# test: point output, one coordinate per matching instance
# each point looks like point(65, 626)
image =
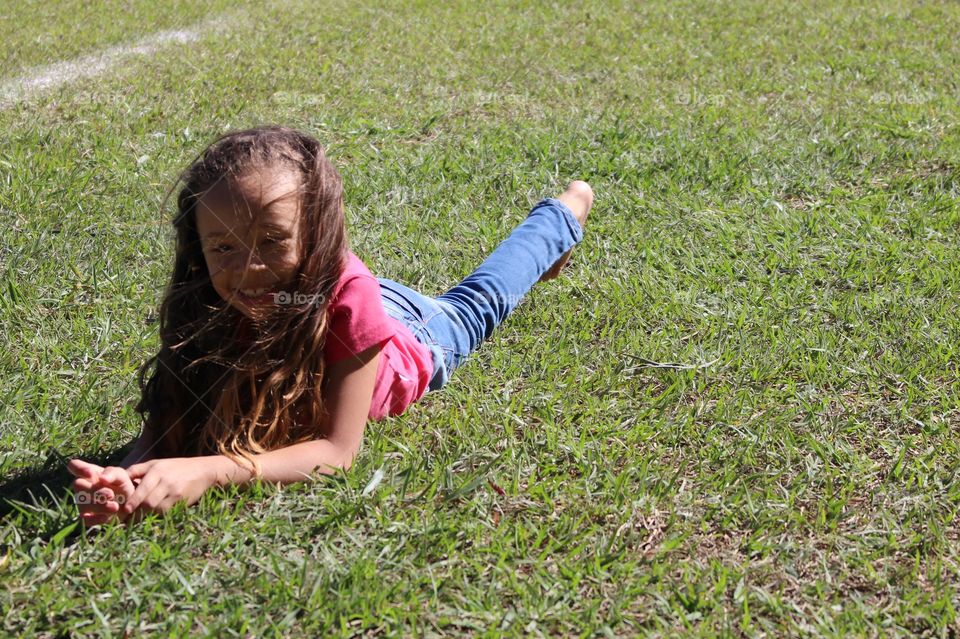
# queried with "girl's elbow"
point(346, 460)
point(336, 457)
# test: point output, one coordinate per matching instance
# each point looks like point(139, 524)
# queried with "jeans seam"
point(427, 320)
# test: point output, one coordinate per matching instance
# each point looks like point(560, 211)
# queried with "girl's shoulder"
point(357, 315)
point(353, 268)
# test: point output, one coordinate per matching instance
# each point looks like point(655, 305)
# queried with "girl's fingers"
point(155, 502)
point(114, 475)
point(140, 470)
point(152, 502)
point(118, 479)
point(89, 497)
point(83, 493)
point(80, 468)
point(110, 507)
point(147, 486)
point(92, 519)
point(98, 502)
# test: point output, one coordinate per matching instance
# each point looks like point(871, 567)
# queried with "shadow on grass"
point(42, 488)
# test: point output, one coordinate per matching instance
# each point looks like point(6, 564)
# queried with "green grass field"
point(736, 413)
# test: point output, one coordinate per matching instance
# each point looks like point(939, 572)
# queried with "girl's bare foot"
point(579, 197)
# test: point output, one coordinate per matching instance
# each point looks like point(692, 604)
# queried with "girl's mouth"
point(256, 297)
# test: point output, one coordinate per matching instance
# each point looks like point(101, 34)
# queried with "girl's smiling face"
point(250, 233)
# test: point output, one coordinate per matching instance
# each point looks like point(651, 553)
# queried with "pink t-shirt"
point(357, 322)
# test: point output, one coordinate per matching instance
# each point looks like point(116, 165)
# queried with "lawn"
point(735, 413)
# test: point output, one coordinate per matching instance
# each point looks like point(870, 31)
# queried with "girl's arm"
point(347, 395)
point(348, 392)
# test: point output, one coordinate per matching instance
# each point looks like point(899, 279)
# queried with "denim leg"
point(482, 301)
point(414, 310)
point(456, 323)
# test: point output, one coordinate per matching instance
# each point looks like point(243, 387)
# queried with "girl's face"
point(250, 235)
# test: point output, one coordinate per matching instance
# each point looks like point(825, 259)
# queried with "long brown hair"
point(209, 390)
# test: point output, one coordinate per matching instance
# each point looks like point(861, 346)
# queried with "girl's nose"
point(245, 260)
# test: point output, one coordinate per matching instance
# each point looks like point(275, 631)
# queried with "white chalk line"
point(44, 78)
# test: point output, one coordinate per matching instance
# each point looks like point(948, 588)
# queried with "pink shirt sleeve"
point(357, 318)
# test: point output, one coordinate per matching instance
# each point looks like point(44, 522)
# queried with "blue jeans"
point(455, 324)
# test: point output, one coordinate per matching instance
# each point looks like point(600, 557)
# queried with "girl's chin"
point(251, 310)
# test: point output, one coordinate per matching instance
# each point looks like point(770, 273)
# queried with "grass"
point(734, 414)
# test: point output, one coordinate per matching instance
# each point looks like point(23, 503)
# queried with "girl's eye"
point(222, 248)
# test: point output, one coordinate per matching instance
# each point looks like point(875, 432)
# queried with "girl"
point(277, 344)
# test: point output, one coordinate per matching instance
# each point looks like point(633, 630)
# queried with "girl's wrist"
point(225, 471)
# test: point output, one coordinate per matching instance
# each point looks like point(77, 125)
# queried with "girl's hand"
point(100, 492)
point(164, 482)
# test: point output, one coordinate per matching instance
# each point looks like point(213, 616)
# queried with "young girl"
point(277, 344)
